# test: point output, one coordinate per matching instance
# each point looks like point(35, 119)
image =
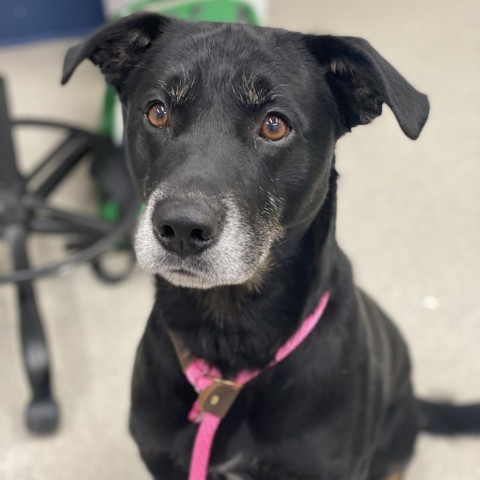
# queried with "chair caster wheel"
point(43, 416)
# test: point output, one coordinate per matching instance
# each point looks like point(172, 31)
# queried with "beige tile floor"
point(409, 218)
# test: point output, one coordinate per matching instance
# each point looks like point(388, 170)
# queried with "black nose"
point(186, 227)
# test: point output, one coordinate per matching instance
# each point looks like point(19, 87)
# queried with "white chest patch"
point(227, 469)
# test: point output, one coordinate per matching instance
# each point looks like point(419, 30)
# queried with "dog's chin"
point(187, 279)
point(202, 273)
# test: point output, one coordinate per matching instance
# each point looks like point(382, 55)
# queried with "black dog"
point(230, 133)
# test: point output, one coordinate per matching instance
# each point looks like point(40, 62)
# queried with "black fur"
point(341, 407)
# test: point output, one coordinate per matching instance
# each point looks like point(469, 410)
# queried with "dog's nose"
point(186, 228)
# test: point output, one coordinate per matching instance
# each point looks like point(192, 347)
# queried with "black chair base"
point(43, 416)
point(24, 209)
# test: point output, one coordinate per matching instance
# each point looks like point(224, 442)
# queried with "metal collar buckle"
point(219, 397)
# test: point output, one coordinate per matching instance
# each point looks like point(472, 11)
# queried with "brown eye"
point(274, 128)
point(158, 116)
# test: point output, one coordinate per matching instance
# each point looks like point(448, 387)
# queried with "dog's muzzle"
point(195, 241)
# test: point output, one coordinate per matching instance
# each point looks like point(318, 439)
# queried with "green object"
point(228, 11)
point(108, 111)
point(109, 211)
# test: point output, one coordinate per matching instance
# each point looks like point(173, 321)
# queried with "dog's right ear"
point(361, 80)
point(117, 47)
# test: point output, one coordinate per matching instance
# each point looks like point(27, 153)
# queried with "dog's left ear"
point(117, 47)
point(362, 80)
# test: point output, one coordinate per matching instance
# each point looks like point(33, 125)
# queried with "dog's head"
point(230, 132)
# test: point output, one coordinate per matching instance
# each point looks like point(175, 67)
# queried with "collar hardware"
point(219, 397)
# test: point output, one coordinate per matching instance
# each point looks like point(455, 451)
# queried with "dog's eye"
point(274, 128)
point(158, 115)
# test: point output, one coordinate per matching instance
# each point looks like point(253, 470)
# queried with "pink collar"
point(216, 395)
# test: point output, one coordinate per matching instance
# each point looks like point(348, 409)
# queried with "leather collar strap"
point(216, 395)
